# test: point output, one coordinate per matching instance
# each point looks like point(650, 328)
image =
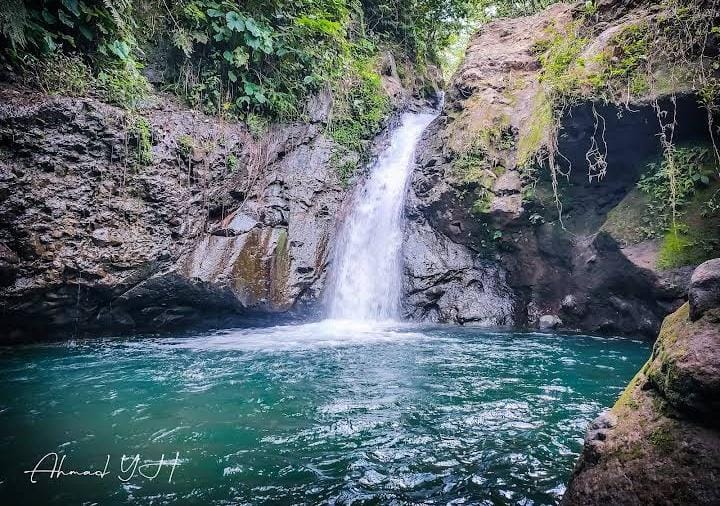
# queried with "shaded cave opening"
point(630, 139)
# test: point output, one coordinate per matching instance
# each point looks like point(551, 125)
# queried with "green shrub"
point(62, 74)
point(122, 84)
point(691, 168)
point(142, 135)
point(360, 106)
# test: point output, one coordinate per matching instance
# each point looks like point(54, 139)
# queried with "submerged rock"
point(549, 321)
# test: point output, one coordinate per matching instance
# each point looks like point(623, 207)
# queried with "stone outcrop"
point(116, 222)
point(704, 292)
point(660, 443)
point(480, 202)
point(217, 222)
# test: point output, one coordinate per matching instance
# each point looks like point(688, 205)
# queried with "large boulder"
point(663, 446)
point(704, 291)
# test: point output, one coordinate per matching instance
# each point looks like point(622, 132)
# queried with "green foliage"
point(232, 163)
point(142, 135)
point(421, 27)
point(345, 170)
point(690, 170)
point(475, 165)
point(622, 64)
point(86, 26)
point(248, 59)
point(58, 73)
point(50, 36)
point(360, 106)
point(122, 84)
point(479, 169)
point(560, 60)
point(257, 124)
point(692, 235)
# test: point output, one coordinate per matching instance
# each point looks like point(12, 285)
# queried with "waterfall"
point(366, 277)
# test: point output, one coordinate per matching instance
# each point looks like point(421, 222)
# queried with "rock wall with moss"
point(660, 443)
point(161, 216)
point(573, 181)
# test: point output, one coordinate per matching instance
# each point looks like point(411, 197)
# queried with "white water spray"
point(366, 274)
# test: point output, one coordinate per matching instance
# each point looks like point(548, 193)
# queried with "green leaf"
point(85, 31)
point(214, 13)
point(240, 57)
point(262, 43)
point(49, 43)
point(232, 76)
point(72, 6)
point(253, 28)
point(250, 88)
point(704, 179)
point(235, 22)
point(65, 20)
point(200, 37)
point(252, 41)
point(121, 49)
point(49, 18)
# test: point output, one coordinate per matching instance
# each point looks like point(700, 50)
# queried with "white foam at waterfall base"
point(366, 273)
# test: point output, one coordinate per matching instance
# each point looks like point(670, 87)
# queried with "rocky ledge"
point(660, 443)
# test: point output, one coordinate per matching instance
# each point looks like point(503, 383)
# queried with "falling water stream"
point(366, 277)
point(356, 409)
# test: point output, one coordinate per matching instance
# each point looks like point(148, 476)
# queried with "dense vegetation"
point(232, 58)
point(253, 61)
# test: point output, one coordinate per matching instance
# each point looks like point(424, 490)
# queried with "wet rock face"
point(219, 223)
point(447, 282)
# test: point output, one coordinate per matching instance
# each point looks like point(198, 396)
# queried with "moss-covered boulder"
point(660, 443)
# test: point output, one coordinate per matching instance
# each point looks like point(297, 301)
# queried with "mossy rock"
point(696, 236)
point(626, 222)
point(685, 364)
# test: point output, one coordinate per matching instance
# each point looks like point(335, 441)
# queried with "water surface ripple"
point(309, 414)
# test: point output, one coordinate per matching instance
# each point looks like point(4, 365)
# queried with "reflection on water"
point(333, 412)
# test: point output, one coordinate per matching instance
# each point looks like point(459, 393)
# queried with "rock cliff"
point(488, 243)
point(212, 222)
point(123, 222)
